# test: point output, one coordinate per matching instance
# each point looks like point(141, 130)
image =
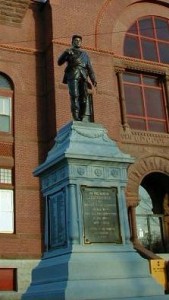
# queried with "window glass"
point(131, 47)
point(162, 29)
point(6, 211)
point(133, 98)
point(152, 81)
point(131, 77)
point(6, 176)
point(146, 27)
point(5, 105)
point(154, 103)
point(4, 82)
point(139, 124)
point(149, 50)
point(157, 126)
point(133, 29)
point(5, 114)
point(164, 52)
point(4, 123)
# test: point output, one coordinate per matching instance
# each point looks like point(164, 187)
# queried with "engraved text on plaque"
point(100, 212)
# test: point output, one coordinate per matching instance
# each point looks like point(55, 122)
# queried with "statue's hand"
point(69, 51)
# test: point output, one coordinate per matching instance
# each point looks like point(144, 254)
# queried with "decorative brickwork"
point(13, 11)
point(144, 138)
point(140, 169)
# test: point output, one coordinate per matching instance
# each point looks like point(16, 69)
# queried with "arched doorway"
point(152, 212)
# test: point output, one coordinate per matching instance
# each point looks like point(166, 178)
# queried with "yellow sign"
point(158, 271)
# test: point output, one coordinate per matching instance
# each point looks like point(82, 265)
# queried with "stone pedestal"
point(88, 250)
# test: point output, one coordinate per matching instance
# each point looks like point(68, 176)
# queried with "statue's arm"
point(63, 58)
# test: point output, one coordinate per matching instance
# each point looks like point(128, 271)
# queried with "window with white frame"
point(6, 201)
point(6, 94)
point(5, 114)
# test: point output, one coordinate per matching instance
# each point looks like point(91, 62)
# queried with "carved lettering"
point(101, 219)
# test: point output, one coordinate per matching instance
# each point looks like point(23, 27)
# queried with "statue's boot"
point(75, 115)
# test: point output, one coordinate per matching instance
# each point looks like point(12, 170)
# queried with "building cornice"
point(18, 49)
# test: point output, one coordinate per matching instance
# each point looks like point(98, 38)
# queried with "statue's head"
point(76, 41)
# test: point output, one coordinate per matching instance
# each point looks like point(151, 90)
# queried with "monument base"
point(88, 255)
point(94, 276)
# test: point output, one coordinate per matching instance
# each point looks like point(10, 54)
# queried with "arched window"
point(148, 38)
point(6, 173)
point(6, 93)
point(144, 93)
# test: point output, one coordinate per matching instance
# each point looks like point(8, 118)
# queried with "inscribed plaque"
point(101, 217)
point(57, 220)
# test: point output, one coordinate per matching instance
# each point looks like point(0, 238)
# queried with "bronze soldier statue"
point(76, 75)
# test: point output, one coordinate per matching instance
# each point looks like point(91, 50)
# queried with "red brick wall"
point(24, 64)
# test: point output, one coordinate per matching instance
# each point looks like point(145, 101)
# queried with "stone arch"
point(139, 170)
point(98, 20)
point(113, 21)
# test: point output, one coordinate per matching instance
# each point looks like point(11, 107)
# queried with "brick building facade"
point(127, 42)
